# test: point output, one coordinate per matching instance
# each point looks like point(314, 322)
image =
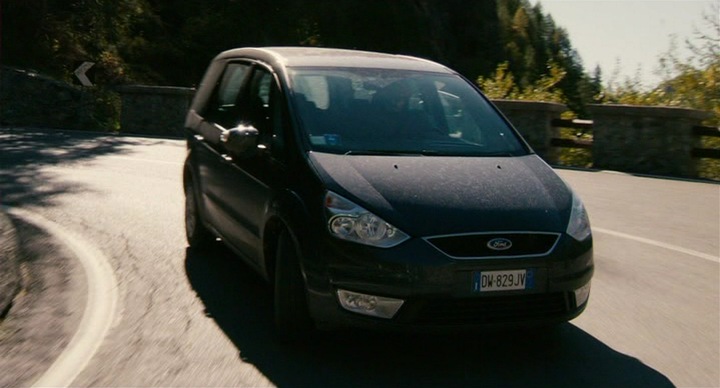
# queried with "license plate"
point(509, 280)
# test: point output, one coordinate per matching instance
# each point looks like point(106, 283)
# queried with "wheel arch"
point(288, 214)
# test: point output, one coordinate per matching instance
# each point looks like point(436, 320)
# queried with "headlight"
point(579, 225)
point(351, 222)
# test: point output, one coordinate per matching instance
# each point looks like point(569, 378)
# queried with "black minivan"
point(379, 191)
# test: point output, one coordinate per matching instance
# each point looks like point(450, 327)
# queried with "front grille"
point(479, 245)
point(488, 310)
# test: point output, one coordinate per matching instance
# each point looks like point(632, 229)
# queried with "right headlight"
point(351, 222)
point(579, 224)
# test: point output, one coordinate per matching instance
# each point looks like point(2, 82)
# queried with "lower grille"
point(489, 310)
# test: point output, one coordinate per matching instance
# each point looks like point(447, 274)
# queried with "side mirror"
point(240, 141)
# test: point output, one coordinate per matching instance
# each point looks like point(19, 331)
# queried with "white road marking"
point(144, 160)
point(100, 310)
point(660, 244)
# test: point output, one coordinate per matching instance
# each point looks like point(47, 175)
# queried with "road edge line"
point(660, 244)
point(100, 310)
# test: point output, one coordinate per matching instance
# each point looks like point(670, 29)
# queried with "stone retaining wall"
point(645, 139)
point(29, 99)
point(154, 110)
point(651, 140)
point(641, 139)
point(533, 119)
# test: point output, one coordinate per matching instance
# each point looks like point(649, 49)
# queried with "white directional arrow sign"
point(80, 73)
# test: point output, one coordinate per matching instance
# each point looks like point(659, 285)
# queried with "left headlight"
point(351, 222)
point(579, 224)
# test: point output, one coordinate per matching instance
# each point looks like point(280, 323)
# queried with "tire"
point(292, 316)
point(195, 231)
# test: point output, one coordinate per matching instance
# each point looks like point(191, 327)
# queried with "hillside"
point(165, 42)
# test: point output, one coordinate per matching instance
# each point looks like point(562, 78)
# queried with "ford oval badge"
point(499, 244)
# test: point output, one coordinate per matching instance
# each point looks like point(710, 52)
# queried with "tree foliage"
point(168, 42)
point(53, 35)
point(692, 82)
point(502, 85)
point(537, 51)
point(171, 42)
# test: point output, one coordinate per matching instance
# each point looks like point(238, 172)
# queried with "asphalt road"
point(154, 313)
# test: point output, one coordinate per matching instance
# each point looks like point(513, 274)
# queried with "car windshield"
point(395, 112)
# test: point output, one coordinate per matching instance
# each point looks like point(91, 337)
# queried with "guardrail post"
point(154, 110)
point(645, 139)
point(534, 121)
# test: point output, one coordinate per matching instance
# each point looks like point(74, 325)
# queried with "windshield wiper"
point(387, 152)
point(501, 153)
point(428, 153)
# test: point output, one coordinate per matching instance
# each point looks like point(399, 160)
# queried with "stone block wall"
point(31, 100)
point(154, 110)
point(644, 139)
point(533, 120)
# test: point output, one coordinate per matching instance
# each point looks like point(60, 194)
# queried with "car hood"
point(437, 195)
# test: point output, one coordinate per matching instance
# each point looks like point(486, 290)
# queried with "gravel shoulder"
point(47, 309)
point(10, 280)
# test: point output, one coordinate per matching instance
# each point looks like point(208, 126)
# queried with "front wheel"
point(195, 231)
point(292, 317)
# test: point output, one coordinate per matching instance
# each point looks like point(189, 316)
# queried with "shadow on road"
point(24, 153)
point(241, 304)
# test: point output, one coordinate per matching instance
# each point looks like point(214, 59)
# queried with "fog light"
point(582, 294)
point(376, 306)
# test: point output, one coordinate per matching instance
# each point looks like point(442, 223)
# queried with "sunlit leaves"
point(692, 81)
point(502, 85)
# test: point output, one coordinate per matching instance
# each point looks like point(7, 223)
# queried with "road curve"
point(203, 319)
point(100, 310)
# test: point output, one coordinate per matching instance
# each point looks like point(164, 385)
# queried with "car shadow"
point(240, 302)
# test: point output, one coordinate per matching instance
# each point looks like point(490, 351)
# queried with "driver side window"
point(225, 103)
point(263, 109)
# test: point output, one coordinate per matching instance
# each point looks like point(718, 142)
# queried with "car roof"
point(330, 57)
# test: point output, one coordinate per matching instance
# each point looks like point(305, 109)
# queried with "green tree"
point(692, 82)
point(502, 85)
point(53, 35)
point(531, 40)
point(170, 42)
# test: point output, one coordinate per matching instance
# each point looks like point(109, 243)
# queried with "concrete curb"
point(10, 281)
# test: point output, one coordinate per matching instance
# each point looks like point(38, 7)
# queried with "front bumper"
point(437, 291)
